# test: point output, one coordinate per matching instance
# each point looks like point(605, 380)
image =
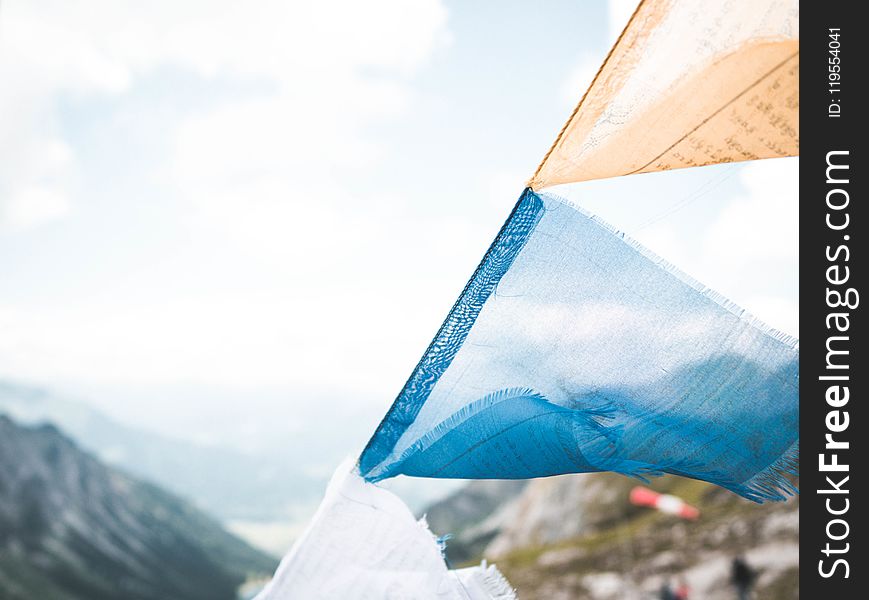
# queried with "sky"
point(256, 211)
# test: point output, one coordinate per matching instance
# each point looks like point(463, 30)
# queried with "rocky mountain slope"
point(73, 529)
point(266, 497)
point(578, 537)
point(472, 516)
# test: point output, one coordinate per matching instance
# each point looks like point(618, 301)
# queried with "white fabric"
point(364, 543)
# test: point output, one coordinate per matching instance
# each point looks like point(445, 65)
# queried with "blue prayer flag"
point(574, 349)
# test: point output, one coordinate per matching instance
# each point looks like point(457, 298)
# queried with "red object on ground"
point(672, 505)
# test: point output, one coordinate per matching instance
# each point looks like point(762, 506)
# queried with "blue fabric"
point(573, 349)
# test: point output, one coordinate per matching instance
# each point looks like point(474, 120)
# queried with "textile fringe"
point(496, 584)
point(773, 483)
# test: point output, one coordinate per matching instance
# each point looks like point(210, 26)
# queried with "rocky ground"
point(578, 537)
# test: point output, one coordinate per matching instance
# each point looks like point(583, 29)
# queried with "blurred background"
point(229, 230)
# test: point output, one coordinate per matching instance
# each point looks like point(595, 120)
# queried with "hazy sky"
point(244, 208)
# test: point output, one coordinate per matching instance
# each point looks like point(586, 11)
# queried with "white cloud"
point(629, 328)
point(263, 168)
point(33, 181)
point(734, 228)
point(267, 169)
point(500, 188)
point(750, 226)
point(779, 312)
point(579, 79)
point(752, 241)
point(618, 12)
point(38, 60)
point(33, 205)
point(296, 337)
point(327, 70)
point(272, 38)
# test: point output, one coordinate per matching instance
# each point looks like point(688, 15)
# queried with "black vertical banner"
point(833, 368)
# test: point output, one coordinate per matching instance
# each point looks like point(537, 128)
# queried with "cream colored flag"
point(688, 83)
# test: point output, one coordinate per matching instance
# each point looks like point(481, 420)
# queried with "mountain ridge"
point(218, 479)
point(72, 528)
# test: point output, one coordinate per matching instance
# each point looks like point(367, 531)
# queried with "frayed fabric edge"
point(487, 581)
point(773, 483)
point(454, 330)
